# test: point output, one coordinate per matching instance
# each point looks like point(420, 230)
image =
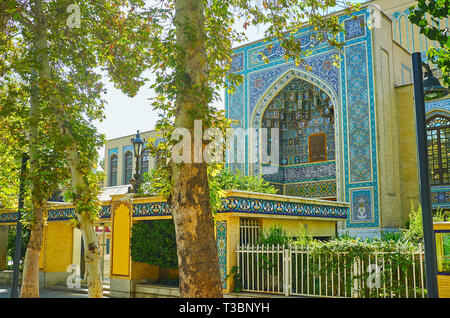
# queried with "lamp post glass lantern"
point(431, 86)
point(138, 146)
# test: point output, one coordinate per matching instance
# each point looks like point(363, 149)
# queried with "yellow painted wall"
point(58, 246)
point(144, 271)
point(408, 150)
point(232, 243)
point(120, 263)
point(387, 125)
point(294, 227)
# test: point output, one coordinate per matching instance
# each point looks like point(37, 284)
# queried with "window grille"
point(113, 170)
point(438, 137)
point(144, 162)
point(249, 230)
point(128, 167)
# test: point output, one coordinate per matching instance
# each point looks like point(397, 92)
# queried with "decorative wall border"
point(221, 228)
point(260, 206)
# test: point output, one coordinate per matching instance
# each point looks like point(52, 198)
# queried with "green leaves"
point(429, 17)
point(154, 243)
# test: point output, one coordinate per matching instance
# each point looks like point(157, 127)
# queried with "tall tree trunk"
point(30, 278)
point(92, 254)
point(194, 226)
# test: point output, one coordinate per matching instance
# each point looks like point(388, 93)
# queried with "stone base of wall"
point(121, 288)
point(367, 233)
point(156, 291)
point(45, 279)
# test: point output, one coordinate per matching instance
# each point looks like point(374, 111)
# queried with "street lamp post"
point(426, 89)
point(18, 247)
point(138, 146)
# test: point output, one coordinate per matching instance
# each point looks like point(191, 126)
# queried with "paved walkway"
point(44, 293)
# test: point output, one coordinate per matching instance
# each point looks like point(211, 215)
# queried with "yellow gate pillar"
point(120, 271)
point(3, 245)
point(227, 236)
point(124, 273)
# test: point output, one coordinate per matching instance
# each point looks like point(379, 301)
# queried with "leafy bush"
point(12, 244)
point(396, 263)
point(274, 236)
point(154, 243)
point(414, 231)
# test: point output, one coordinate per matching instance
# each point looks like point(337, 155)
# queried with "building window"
point(144, 162)
point(113, 170)
point(438, 134)
point(128, 166)
point(317, 145)
point(249, 230)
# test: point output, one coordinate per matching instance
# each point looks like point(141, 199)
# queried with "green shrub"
point(154, 243)
point(12, 244)
point(274, 236)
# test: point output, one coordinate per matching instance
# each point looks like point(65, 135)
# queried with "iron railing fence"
point(294, 270)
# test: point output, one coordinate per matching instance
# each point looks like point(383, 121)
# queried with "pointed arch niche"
point(304, 109)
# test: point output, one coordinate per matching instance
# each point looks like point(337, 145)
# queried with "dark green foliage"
point(12, 243)
point(237, 278)
point(427, 15)
point(154, 243)
point(274, 236)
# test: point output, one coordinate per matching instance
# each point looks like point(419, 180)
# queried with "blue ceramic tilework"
point(321, 67)
point(354, 27)
point(358, 113)
point(260, 206)
point(221, 228)
point(440, 197)
point(440, 106)
point(8, 217)
point(237, 111)
point(237, 62)
point(105, 212)
point(111, 151)
point(361, 205)
point(351, 90)
point(151, 209)
point(323, 189)
point(273, 51)
point(61, 214)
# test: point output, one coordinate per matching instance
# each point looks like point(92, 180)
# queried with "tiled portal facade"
point(338, 124)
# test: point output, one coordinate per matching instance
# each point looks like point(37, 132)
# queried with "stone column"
point(3, 245)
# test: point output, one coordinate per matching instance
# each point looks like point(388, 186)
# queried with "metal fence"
point(297, 271)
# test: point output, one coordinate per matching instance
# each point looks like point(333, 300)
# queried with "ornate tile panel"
point(237, 62)
point(354, 27)
point(440, 197)
point(361, 205)
point(274, 51)
point(151, 209)
point(105, 212)
point(438, 107)
point(358, 112)
point(323, 189)
point(221, 227)
point(61, 214)
point(8, 217)
point(260, 206)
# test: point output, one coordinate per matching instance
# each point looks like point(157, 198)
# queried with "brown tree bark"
point(30, 278)
point(92, 257)
point(196, 246)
